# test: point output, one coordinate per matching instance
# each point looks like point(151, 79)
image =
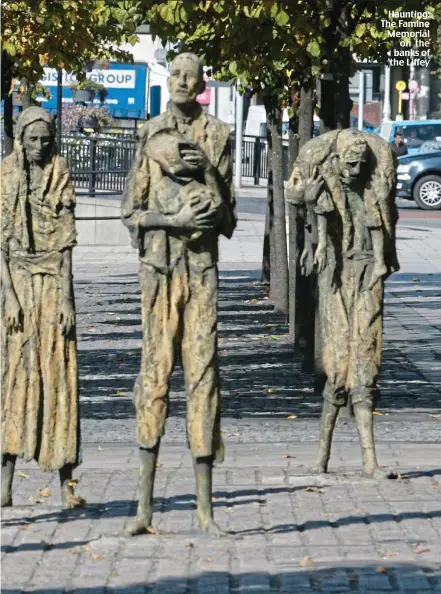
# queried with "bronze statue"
point(347, 178)
point(39, 404)
point(177, 201)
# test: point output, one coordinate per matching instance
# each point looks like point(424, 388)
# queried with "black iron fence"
point(100, 164)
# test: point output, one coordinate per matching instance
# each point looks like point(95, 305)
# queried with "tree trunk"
point(268, 257)
point(8, 124)
point(293, 149)
point(327, 105)
point(343, 102)
point(279, 272)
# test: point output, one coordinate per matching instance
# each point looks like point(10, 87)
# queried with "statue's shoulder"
point(317, 149)
point(9, 163)
point(221, 128)
point(152, 126)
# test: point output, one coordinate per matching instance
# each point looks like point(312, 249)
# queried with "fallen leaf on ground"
point(100, 449)
point(24, 526)
point(158, 465)
point(190, 545)
point(420, 550)
point(435, 485)
point(152, 530)
point(91, 329)
point(34, 501)
point(390, 554)
point(120, 393)
point(115, 574)
point(381, 569)
point(207, 559)
point(378, 413)
point(45, 492)
point(21, 474)
point(288, 456)
point(306, 562)
point(292, 417)
point(313, 490)
point(229, 510)
point(270, 391)
point(73, 482)
point(275, 337)
point(436, 416)
point(86, 547)
point(96, 556)
point(234, 434)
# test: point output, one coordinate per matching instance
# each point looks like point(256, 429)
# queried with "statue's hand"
point(320, 258)
point(13, 311)
point(67, 315)
point(314, 186)
point(306, 262)
point(195, 157)
point(379, 270)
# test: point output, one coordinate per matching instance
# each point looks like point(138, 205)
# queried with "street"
point(290, 531)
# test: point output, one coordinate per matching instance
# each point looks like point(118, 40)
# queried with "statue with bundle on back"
point(347, 179)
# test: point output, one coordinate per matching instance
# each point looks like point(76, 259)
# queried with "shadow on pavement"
point(261, 375)
point(348, 577)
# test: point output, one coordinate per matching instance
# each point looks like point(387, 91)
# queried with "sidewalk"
point(290, 532)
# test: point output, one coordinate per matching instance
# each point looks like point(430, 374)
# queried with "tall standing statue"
point(177, 201)
point(347, 178)
point(39, 407)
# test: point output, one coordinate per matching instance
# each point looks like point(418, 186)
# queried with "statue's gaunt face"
point(351, 164)
point(37, 142)
point(185, 82)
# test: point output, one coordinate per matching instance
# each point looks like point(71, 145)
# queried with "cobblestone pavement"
point(290, 532)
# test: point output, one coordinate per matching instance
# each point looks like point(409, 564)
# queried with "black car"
point(419, 179)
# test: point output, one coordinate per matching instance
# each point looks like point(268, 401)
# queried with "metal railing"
point(100, 164)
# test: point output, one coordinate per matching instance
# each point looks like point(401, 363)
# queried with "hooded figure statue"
point(39, 407)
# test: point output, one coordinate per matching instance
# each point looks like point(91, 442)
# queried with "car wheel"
point(427, 192)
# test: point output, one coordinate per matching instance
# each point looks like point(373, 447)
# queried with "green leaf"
point(282, 18)
point(233, 67)
point(313, 48)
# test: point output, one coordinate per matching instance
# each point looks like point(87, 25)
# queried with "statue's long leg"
point(68, 496)
point(365, 425)
point(327, 424)
point(8, 467)
point(203, 468)
point(148, 459)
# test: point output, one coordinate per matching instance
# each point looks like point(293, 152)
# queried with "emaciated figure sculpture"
point(39, 358)
point(177, 201)
point(348, 178)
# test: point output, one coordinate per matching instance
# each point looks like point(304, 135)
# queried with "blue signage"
point(125, 84)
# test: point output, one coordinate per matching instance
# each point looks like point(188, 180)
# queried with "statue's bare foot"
point(6, 500)
point(209, 527)
point(140, 527)
point(378, 473)
point(71, 500)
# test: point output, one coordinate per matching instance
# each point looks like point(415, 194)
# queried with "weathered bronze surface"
point(346, 179)
point(177, 201)
point(39, 356)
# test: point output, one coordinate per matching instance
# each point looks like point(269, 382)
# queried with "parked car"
point(430, 146)
point(419, 179)
point(415, 132)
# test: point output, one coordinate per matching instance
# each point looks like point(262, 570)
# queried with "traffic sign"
point(401, 85)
